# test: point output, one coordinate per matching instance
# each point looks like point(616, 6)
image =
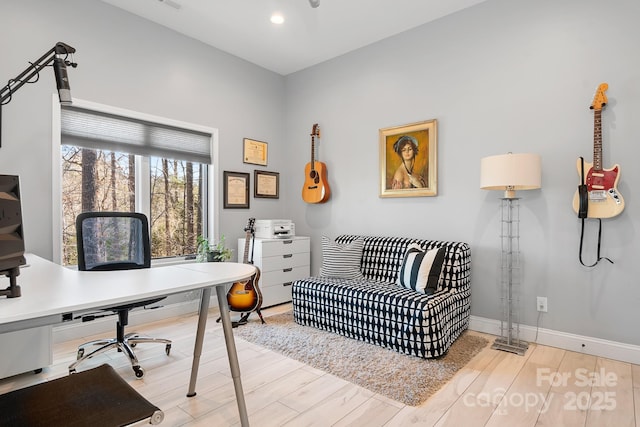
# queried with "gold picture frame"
point(236, 190)
point(255, 152)
point(408, 160)
point(266, 184)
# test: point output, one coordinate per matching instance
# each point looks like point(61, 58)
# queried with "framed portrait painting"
point(408, 160)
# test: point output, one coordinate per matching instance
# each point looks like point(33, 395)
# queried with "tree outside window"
point(103, 180)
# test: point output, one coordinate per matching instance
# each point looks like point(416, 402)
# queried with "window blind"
point(104, 131)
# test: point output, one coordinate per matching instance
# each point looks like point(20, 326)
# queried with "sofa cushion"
point(420, 269)
point(341, 260)
point(383, 256)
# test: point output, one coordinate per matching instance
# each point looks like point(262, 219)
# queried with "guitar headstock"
point(250, 226)
point(315, 131)
point(600, 99)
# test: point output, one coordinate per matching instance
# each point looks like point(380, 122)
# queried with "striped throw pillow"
point(420, 269)
point(341, 261)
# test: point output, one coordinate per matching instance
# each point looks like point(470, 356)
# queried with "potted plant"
point(212, 252)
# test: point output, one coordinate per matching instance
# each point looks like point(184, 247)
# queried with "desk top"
point(50, 290)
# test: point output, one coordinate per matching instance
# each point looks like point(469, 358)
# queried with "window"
point(121, 163)
point(176, 207)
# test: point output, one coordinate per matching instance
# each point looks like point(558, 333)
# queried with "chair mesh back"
point(112, 241)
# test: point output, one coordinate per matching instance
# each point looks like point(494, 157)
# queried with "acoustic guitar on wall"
point(316, 187)
point(245, 296)
point(597, 195)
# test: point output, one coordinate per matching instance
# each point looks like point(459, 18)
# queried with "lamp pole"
point(510, 338)
point(510, 172)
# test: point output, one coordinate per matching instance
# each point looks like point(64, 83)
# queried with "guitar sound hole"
point(314, 176)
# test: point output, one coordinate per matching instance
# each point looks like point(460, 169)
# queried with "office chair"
point(110, 241)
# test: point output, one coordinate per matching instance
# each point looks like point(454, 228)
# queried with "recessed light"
point(277, 18)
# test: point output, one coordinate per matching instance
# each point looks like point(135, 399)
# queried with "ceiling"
point(307, 37)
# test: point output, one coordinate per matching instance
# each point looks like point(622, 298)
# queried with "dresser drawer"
point(285, 246)
point(276, 295)
point(286, 275)
point(280, 262)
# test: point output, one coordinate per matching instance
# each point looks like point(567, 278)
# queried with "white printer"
point(274, 228)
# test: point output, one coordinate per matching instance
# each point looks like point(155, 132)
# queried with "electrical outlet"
point(542, 304)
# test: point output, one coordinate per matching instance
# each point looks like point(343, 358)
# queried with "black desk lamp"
point(12, 243)
point(58, 55)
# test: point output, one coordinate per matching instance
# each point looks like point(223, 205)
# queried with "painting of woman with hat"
point(408, 174)
point(408, 154)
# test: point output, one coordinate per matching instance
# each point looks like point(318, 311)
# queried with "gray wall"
point(505, 75)
point(128, 62)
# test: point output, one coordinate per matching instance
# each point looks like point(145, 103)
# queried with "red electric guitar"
point(246, 296)
point(316, 186)
point(597, 195)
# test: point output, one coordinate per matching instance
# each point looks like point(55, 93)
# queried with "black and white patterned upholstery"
point(379, 311)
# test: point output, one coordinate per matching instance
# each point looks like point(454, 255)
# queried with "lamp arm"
point(17, 82)
point(7, 91)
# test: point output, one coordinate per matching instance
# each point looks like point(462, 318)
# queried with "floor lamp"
point(510, 172)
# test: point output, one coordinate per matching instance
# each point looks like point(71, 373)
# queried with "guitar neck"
point(313, 154)
point(597, 140)
point(247, 241)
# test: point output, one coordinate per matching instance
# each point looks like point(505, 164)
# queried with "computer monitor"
point(11, 237)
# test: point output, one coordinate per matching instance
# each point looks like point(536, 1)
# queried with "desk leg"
point(197, 351)
point(232, 353)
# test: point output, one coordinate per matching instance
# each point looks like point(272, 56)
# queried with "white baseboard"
point(578, 343)
point(70, 331)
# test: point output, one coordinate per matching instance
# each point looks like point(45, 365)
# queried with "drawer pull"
point(287, 242)
point(286, 270)
point(287, 284)
point(287, 256)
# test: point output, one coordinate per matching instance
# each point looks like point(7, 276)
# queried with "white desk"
point(51, 294)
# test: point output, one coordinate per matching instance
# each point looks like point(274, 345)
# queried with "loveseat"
point(369, 305)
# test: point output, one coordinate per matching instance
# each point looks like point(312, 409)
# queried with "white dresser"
point(281, 262)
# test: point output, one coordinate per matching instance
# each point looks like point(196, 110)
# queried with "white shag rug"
point(407, 379)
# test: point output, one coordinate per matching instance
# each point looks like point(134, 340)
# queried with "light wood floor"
point(545, 387)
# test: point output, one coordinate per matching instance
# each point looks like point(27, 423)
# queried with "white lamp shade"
point(510, 172)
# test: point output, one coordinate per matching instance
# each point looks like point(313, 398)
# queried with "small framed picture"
point(255, 152)
point(266, 184)
point(236, 190)
point(408, 160)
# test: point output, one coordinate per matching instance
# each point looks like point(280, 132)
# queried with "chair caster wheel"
point(156, 418)
point(72, 371)
point(167, 349)
point(138, 371)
